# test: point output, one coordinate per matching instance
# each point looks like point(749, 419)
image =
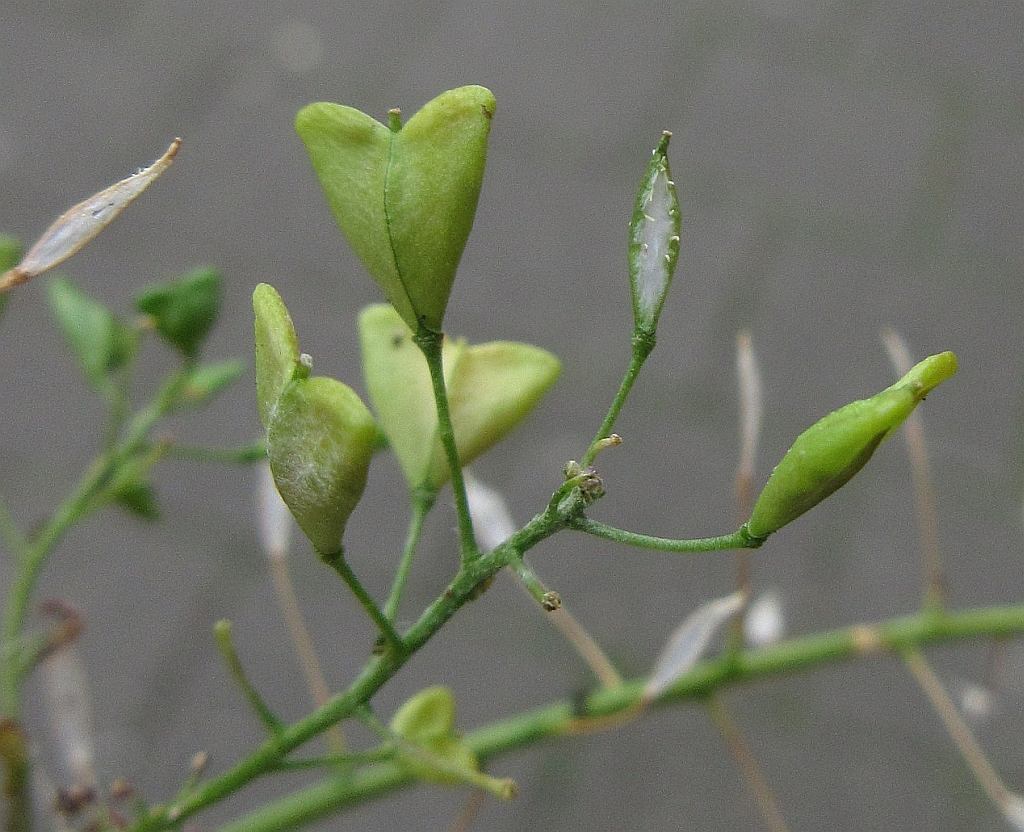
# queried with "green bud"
point(185, 309)
point(405, 197)
point(101, 341)
point(827, 455)
point(654, 239)
point(427, 720)
point(277, 349)
point(320, 442)
point(491, 389)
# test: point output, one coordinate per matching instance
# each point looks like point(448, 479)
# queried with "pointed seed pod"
point(654, 239)
point(404, 197)
point(828, 454)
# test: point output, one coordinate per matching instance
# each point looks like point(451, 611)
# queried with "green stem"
point(338, 563)
point(559, 719)
point(78, 505)
point(246, 455)
point(429, 343)
point(548, 600)
point(643, 345)
point(226, 645)
point(737, 540)
point(464, 588)
point(422, 502)
point(17, 796)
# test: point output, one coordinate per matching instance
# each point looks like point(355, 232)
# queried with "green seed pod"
point(277, 349)
point(427, 719)
point(320, 441)
point(827, 455)
point(654, 239)
point(491, 388)
point(405, 197)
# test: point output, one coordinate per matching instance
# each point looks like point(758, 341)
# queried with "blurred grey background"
point(842, 166)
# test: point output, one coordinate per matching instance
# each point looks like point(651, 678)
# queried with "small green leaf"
point(829, 453)
point(207, 380)
point(404, 197)
point(320, 442)
point(101, 342)
point(277, 349)
point(138, 498)
point(491, 389)
point(185, 310)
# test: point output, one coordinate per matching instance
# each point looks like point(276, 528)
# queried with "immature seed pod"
point(827, 455)
point(405, 197)
point(320, 442)
point(491, 388)
point(427, 720)
point(277, 349)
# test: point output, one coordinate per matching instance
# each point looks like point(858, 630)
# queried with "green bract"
point(491, 388)
point(827, 455)
point(320, 441)
point(404, 197)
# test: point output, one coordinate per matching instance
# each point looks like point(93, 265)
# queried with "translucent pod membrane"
point(81, 223)
point(654, 239)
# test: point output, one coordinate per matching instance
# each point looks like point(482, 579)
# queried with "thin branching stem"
point(960, 733)
point(338, 563)
point(81, 502)
point(737, 540)
point(9, 531)
point(643, 345)
point(302, 641)
point(429, 343)
point(226, 646)
point(422, 500)
point(747, 763)
point(562, 718)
